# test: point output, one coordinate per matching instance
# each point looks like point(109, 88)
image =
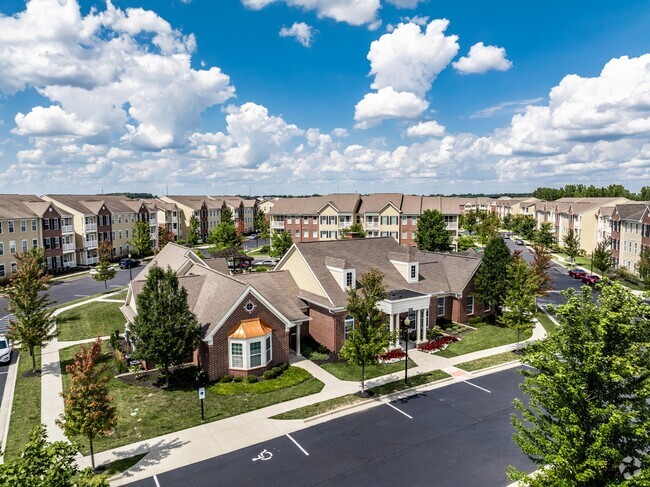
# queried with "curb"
point(5, 410)
point(491, 367)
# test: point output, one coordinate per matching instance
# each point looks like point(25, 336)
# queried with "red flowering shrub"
point(437, 344)
point(392, 356)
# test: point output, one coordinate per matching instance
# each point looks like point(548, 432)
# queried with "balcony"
point(91, 260)
point(90, 227)
point(90, 244)
point(345, 224)
point(372, 225)
point(277, 224)
point(452, 226)
point(153, 222)
point(68, 247)
point(67, 228)
point(70, 264)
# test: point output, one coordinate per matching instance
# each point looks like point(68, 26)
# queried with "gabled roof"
point(311, 205)
point(25, 206)
point(374, 203)
point(193, 202)
point(251, 328)
point(439, 273)
point(632, 211)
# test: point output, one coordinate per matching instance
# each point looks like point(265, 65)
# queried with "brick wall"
point(215, 359)
point(326, 328)
point(459, 306)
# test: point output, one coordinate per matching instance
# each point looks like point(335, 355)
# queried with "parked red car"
point(591, 279)
point(577, 273)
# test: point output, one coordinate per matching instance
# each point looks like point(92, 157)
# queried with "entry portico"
point(415, 304)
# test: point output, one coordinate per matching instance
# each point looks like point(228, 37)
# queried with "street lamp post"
point(407, 323)
point(130, 271)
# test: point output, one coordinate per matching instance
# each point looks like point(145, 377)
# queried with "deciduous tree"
point(164, 331)
point(44, 464)
point(601, 258)
point(488, 226)
point(105, 272)
point(432, 234)
point(643, 267)
point(224, 236)
point(280, 244)
point(466, 242)
point(32, 324)
point(541, 264)
point(89, 409)
point(586, 419)
point(164, 237)
point(491, 281)
point(519, 305)
point(226, 214)
point(572, 245)
point(262, 224)
point(370, 336)
point(141, 237)
point(193, 231)
point(355, 228)
point(544, 235)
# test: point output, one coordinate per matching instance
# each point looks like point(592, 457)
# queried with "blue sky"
point(208, 97)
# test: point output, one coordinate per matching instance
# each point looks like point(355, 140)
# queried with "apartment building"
point(380, 214)
point(26, 222)
point(265, 205)
point(505, 205)
point(243, 212)
point(98, 218)
point(630, 233)
point(316, 218)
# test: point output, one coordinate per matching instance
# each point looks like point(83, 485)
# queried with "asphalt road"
point(3, 372)
point(458, 435)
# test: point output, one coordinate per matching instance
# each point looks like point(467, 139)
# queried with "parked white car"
point(6, 347)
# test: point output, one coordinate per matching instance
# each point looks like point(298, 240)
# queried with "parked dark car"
point(129, 263)
point(577, 273)
point(591, 279)
point(519, 241)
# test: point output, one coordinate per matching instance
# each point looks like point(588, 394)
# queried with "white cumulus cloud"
point(53, 121)
point(482, 58)
point(426, 129)
point(301, 31)
point(405, 3)
point(353, 12)
point(387, 103)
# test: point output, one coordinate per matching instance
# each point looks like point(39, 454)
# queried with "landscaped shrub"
point(265, 249)
point(277, 371)
point(319, 356)
point(392, 356)
point(225, 379)
point(252, 379)
point(114, 342)
point(438, 344)
point(284, 366)
point(323, 349)
point(238, 379)
point(268, 375)
point(119, 361)
point(477, 321)
point(443, 322)
point(306, 350)
point(433, 333)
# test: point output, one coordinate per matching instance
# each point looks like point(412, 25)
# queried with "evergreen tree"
point(643, 267)
point(572, 245)
point(527, 227)
point(432, 234)
point(226, 214)
point(224, 236)
point(193, 231)
point(588, 386)
point(33, 323)
point(519, 305)
point(262, 224)
point(602, 258)
point(141, 238)
point(105, 272)
point(44, 464)
point(544, 235)
point(88, 407)
point(491, 281)
point(507, 222)
point(280, 244)
point(541, 264)
point(165, 331)
point(164, 237)
point(370, 336)
point(355, 228)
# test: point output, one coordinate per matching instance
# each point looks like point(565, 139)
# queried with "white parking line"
point(2, 373)
point(399, 410)
point(478, 387)
point(81, 295)
point(297, 444)
point(155, 479)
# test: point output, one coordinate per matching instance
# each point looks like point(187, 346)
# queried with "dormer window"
point(414, 271)
point(349, 279)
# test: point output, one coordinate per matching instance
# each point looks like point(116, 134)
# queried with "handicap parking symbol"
point(264, 455)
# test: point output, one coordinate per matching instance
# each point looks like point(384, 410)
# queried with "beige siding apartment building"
point(26, 222)
point(630, 233)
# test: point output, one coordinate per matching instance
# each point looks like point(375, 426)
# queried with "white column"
point(417, 325)
point(298, 340)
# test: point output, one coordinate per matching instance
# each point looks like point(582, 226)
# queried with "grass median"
point(90, 321)
point(345, 371)
point(485, 362)
point(147, 412)
point(487, 336)
point(26, 408)
point(546, 322)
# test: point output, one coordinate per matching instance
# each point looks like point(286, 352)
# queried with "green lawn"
point(546, 322)
point(581, 261)
point(90, 321)
point(291, 377)
point(345, 371)
point(483, 363)
point(26, 409)
point(121, 295)
point(149, 412)
point(488, 336)
point(339, 402)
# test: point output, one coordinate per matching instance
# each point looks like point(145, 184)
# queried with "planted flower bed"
point(392, 356)
point(438, 344)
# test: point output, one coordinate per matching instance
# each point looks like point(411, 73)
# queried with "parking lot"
point(459, 435)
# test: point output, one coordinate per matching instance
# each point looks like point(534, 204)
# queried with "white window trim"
point(438, 313)
point(246, 343)
point(349, 320)
point(469, 312)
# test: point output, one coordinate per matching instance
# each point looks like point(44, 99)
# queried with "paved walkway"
point(181, 448)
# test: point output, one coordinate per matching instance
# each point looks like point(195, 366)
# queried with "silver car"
point(6, 348)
